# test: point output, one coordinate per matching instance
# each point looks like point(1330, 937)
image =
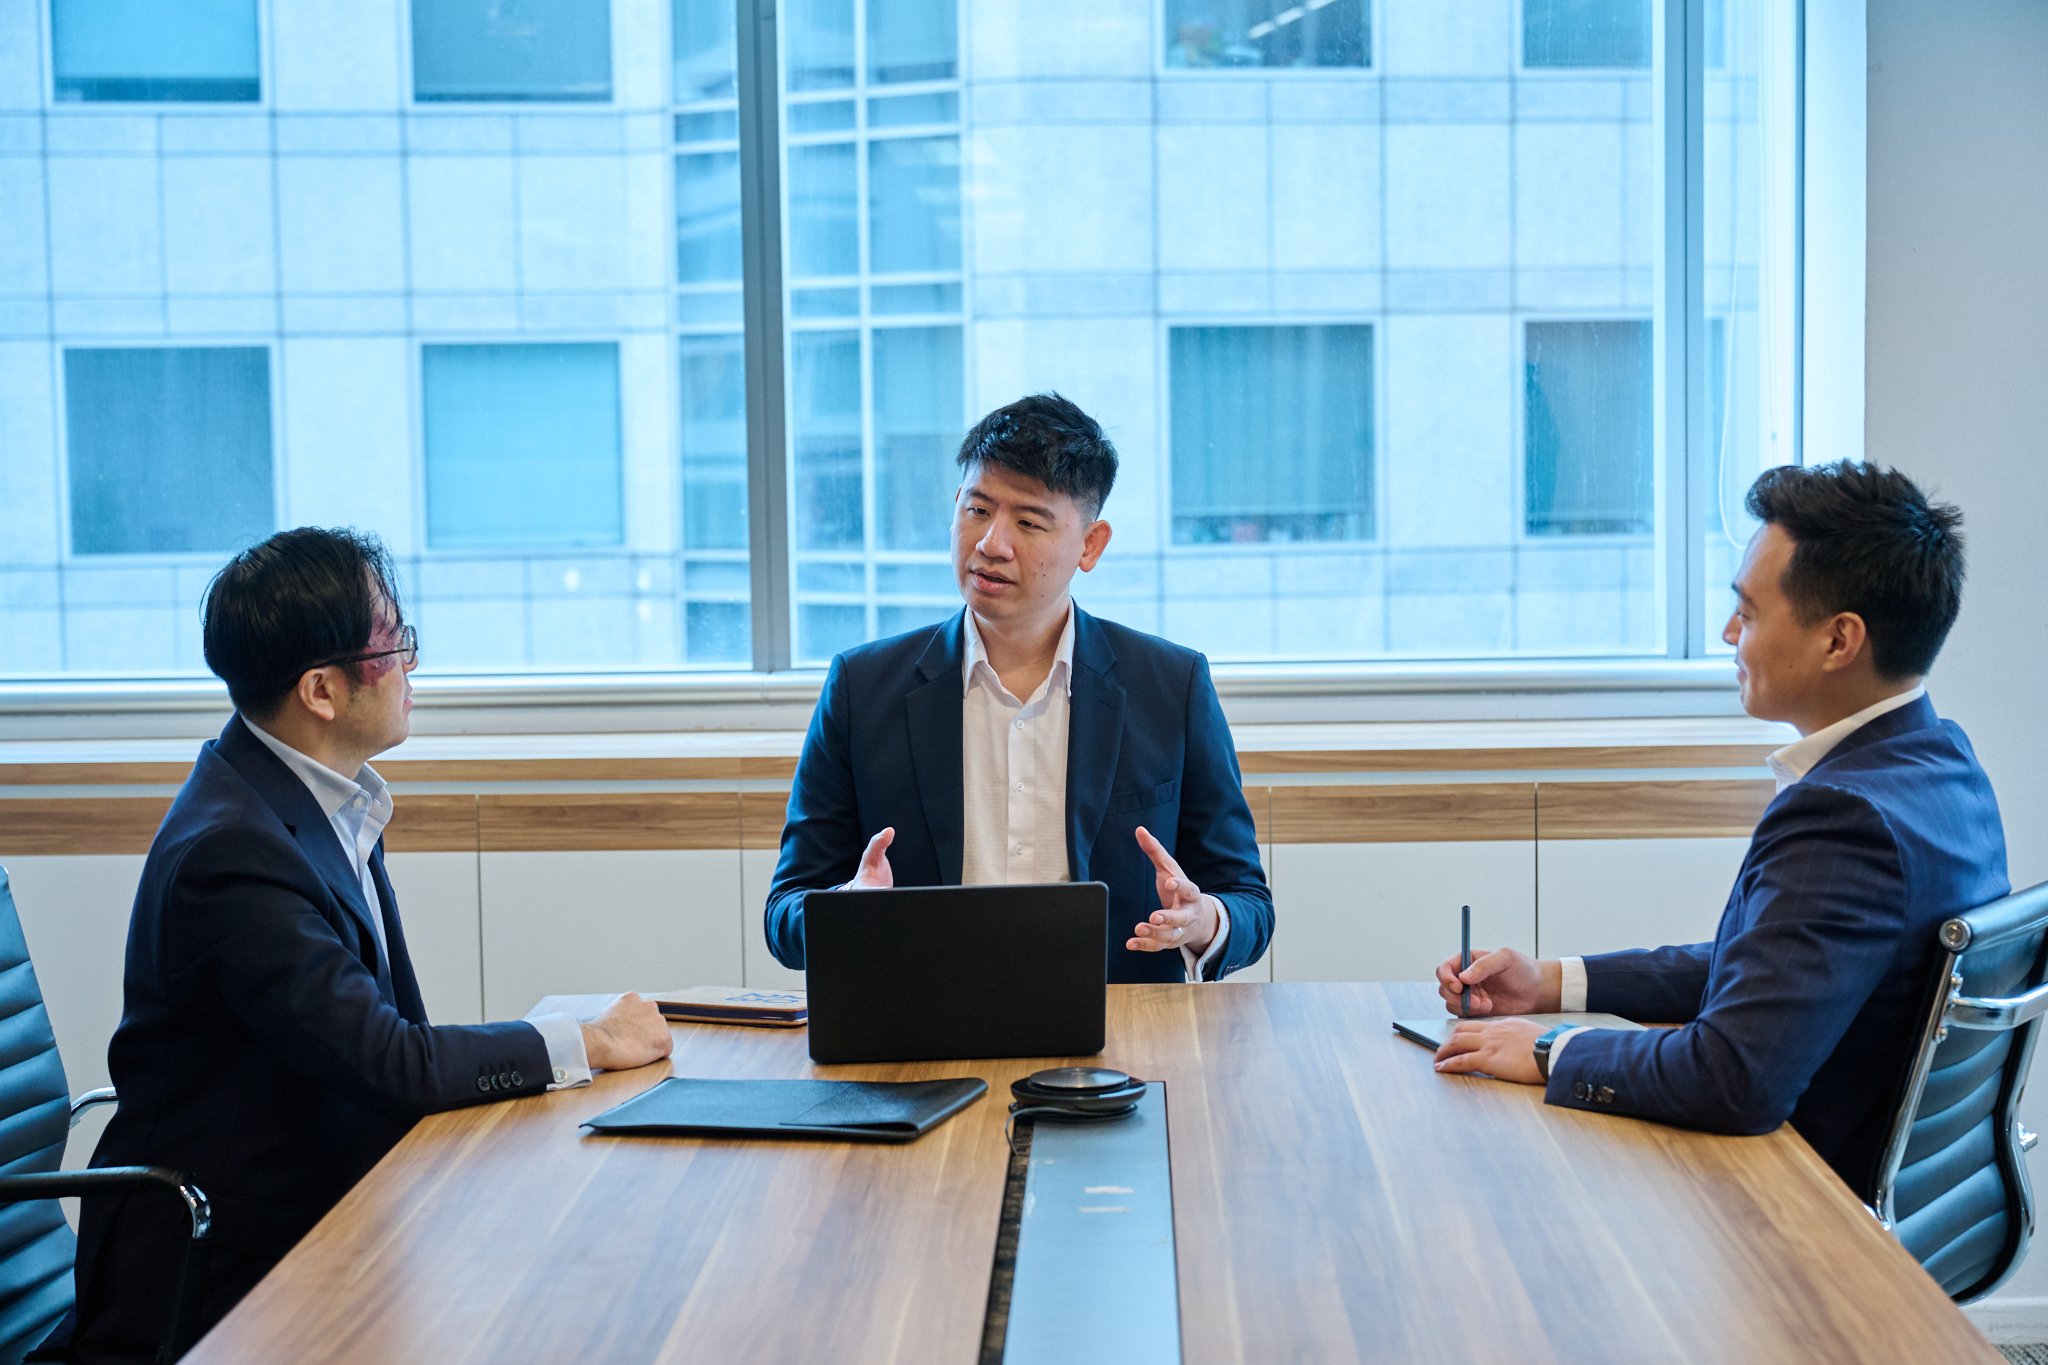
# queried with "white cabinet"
point(574, 922)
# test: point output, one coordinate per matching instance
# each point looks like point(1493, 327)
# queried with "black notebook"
point(872, 1111)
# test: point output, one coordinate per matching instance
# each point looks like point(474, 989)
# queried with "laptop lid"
point(928, 973)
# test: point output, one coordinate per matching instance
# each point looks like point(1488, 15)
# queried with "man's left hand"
point(1184, 919)
point(1502, 1048)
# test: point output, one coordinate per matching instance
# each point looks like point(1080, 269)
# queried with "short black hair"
point(294, 602)
point(1047, 438)
point(1867, 540)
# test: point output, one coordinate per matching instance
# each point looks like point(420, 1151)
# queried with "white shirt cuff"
point(567, 1060)
point(1557, 1044)
point(1571, 991)
point(1196, 965)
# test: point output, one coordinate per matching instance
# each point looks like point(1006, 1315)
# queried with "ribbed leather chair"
point(1952, 1184)
point(36, 1112)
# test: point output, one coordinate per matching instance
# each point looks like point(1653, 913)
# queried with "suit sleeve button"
point(1582, 1091)
point(1605, 1094)
point(518, 1080)
point(483, 1083)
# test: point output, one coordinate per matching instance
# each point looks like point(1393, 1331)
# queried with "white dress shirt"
point(1788, 765)
point(1014, 779)
point(358, 811)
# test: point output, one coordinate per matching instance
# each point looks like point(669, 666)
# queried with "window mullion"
point(1681, 321)
point(765, 345)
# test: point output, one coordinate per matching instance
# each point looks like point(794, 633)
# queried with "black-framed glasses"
point(408, 651)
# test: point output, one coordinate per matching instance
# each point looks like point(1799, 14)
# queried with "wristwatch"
point(1542, 1046)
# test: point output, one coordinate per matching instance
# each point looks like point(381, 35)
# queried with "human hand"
point(630, 1032)
point(1504, 1049)
point(1184, 918)
point(874, 872)
point(1503, 982)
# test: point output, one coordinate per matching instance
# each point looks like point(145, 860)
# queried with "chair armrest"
point(1993, 1012)
point(109, 1180)
point(91, 1099)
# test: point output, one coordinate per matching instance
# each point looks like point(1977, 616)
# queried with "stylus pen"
point(1465, 953)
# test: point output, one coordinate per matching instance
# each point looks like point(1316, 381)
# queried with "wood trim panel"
point(95, 774)
point(1503, 760)
point(761, 815)
point(432, 824)
point(80, 826)
point(639, 820)
point(1442, 812)
point(1651, 810)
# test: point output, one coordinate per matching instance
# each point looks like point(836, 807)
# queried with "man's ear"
point(1093, 542)
point(1848, 641)
point(319, 692)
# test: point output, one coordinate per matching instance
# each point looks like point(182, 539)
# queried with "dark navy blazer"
point(263, 1047)
point(1146, 745)
point(1807, 1002)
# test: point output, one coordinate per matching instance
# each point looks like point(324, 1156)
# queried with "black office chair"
point(36, 1112)
point(1952, 1183)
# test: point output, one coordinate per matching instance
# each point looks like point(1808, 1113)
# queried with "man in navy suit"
point(1024, 740)
point(272, 1041)
point(1807, 1001)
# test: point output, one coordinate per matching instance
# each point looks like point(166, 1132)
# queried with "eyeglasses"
point(408, 649)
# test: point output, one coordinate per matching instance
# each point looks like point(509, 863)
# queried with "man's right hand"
point(874, 873)
point(1503, 982)
point(631, 1032)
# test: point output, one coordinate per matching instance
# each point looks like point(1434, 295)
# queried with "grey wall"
point(1957, 387)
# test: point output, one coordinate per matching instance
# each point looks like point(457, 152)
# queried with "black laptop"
point(934, 972)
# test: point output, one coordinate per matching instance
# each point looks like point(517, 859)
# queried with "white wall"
point(1957, 391)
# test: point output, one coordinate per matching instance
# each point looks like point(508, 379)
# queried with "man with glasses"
point(273, 1042)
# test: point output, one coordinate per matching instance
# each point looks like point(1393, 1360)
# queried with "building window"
point(511, 50)
point(169, 449)
point(1268, 33)
point(1577, 33)
point(522, 446)
point(1272, 433)
point(171, 50)
point(1587, 452)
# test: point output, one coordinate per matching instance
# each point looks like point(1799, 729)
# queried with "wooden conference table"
point(1334, 1199)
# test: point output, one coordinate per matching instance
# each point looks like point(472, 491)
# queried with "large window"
point(1425, 331)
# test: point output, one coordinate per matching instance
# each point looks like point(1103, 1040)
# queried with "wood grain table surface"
point(1334, 1199)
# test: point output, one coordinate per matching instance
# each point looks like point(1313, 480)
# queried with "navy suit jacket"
point(1146, 745)
point(263, 1047)
point(1807, 1003)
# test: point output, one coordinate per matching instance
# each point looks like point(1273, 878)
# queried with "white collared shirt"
point(358, 811)
point(1798, 758)
point(1014, 778)
point(1788, 765)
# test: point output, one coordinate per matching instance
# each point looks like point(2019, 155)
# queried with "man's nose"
point(994, 542)
point(1732, 632)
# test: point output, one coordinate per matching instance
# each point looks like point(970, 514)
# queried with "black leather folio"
point(866, 1111)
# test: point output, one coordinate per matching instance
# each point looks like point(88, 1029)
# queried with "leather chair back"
point(36, 1243)
point(1953, 1184)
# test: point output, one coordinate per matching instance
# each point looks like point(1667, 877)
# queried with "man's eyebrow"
point(1044, 513)
point(1736, 588)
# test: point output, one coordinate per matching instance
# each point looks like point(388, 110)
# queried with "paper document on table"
point(1432, 1032)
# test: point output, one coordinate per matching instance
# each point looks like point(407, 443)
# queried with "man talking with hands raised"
point(1023, 740)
